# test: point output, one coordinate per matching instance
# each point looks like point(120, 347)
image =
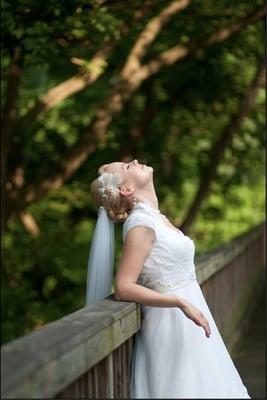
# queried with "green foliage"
point(39, 288)
point(225, 217)
point(184, 109)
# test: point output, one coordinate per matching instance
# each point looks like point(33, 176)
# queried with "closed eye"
point(127, 166)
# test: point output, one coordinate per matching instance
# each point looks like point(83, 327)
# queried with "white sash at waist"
point(160, 288)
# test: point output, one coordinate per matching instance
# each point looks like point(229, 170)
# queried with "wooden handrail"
point(213, 261)
point(44, 361)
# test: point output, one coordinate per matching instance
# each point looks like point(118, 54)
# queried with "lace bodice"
point(171, 260)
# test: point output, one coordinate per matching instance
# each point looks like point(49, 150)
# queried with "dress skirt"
point(173, 358)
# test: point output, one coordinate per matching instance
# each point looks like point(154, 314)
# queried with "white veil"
point(101, 259)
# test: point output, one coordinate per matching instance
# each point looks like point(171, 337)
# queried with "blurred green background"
point(176, 85)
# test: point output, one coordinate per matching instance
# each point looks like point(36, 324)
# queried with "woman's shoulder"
point(137, 218)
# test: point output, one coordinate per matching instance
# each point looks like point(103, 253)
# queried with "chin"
point(148, 167)
point(143, 176)
point(149, 172)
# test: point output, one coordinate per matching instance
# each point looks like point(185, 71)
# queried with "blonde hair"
point(105, 192)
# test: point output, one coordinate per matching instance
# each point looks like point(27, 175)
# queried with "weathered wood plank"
point(232, 290)
point(212, 262)
point(78, 341)
point(87, 386)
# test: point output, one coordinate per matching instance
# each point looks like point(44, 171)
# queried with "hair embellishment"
point(108, 184)
point(108, 190)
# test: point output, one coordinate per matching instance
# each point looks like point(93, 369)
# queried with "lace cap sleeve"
point(138, 219)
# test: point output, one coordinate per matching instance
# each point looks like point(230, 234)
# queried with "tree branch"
point(177, 53)
point(149, 34)
point(209, 173)
point(29, 223)
point(78, 82)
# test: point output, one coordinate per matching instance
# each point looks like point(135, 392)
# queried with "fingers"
point(202, 321)
point(207, 331)
point(199, 319)
point(206, 327)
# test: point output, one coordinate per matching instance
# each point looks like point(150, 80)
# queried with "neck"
point(148, 195)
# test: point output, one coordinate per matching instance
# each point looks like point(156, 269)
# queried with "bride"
point(179, 352)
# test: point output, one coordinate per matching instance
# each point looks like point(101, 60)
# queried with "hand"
point(196, 316)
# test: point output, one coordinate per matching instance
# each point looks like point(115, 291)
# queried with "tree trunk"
point(7, 127)
point(209, 173)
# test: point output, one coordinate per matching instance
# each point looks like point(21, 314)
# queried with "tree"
point(128, 81)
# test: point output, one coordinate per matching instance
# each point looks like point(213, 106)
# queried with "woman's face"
point(133, 174)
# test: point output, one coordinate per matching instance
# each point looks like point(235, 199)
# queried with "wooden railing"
point(87, 354)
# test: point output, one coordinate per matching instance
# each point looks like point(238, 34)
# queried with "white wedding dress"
point(172, 356)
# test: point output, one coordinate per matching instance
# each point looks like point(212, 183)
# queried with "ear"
point(126, 190)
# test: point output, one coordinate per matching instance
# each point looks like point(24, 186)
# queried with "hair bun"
point(119, 216)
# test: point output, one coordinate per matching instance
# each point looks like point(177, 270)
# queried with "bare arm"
point(137, 246)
